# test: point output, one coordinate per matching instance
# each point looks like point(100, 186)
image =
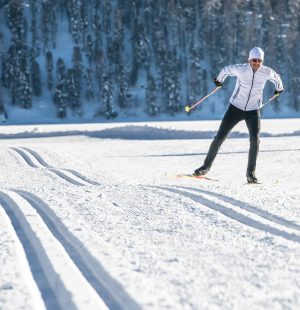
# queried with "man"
point(245, 102)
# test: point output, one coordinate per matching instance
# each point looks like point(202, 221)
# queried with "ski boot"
point(201, 171)
point(251, 178)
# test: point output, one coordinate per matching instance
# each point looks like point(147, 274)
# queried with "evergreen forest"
point(154, 55)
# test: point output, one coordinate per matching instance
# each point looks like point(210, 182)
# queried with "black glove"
point(278, 92)
point(218, 84)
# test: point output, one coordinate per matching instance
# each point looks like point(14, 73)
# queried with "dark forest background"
point(124, 54)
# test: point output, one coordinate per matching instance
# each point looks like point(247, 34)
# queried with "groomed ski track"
point(98, 221)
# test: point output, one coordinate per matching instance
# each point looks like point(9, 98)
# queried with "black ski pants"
point(233, 116)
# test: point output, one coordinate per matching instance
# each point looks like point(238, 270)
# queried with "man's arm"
point(276, 80)
point(231, 70)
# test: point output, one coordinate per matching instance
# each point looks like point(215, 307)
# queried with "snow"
point(92, 216)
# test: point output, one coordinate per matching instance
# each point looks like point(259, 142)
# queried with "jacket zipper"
point(250, 90)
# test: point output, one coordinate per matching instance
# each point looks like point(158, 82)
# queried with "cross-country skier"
point(245, 103)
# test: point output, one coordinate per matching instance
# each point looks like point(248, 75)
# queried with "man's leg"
point(253, 124)
point(230, 119)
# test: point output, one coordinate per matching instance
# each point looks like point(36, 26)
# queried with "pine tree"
point(60, 94)
point(107, 98)
point(60, 69)
point(89, 76)
point(107, 10)
point(17, 75)
point(173, 93)
point(77, 75)
point(141, 47)
point(15, 21)
point(99, 60)
point(25, 91)
point(151, 96)
point(123, 87)
point(35, 42)
point(49, 60)
point(36, 78)
point(76, 24)
point(83, 24)
point(89, 49)
point(77, 65)
point(24, 88)
point(60, 98)
point(72, 93)
point(97, 28)
point(3, 115)
point(49, 23)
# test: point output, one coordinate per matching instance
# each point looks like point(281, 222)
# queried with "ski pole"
point(188, 109)
point(269, 100)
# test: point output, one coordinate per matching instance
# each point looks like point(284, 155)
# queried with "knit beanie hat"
point(256, 52)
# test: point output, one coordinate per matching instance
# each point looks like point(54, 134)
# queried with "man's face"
point(255, 63)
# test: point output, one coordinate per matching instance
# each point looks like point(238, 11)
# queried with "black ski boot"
point(201, 171)
point(251, 178)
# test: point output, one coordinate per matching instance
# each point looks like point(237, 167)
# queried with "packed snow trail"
point(69, 290)
point(137, 236)
point(221, 207)
point(34, 160)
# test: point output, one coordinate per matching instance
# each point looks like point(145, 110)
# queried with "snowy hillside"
point(96, 60)
point(92, 216)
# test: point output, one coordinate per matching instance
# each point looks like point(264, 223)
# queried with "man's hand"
point(218, 84)
point(278, 92)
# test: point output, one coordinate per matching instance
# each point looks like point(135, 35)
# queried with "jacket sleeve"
point(276, 80)
point(231, 70)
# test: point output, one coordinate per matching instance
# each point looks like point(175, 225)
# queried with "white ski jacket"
point(248, 91)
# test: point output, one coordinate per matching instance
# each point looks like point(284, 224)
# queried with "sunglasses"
point(256, 60)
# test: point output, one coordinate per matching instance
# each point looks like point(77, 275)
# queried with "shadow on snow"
point(133, 132)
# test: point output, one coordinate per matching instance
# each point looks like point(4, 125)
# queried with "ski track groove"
point(40, 276)
point(22, 247)
point(43, 163)
point(107, 288)
point(245, 206)
point(65, 177)
point(68, 175)
point(235, 215)
point(25, 157)
point(37, 157)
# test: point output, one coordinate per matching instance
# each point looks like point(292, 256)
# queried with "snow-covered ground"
point(92, 216)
